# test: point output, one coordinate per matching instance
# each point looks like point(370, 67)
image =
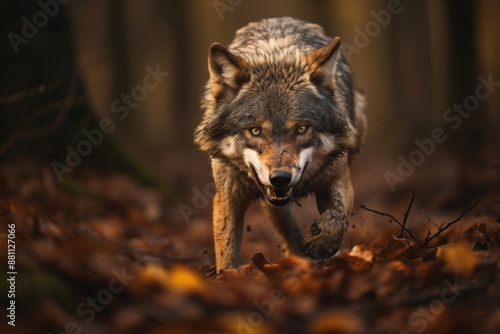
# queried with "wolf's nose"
point(280, 178)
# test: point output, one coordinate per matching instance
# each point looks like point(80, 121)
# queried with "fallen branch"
point(428, 218)
point(30, 92)
point(447, 226)
point(407, 213)
point(403, 226)
point(381, 214)
point(62, 106)
point(428, 233)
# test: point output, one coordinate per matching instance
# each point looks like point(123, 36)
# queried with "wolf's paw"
point(325, 236)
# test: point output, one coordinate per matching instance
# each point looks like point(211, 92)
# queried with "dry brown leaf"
point(359, 287)
point(354, 263)
point(259, 260)
point(242, 273)
point(460, 259)
point(179, 278)
point(298, 263)
point(335, 322)
point(389, 278)
point(417, 251)
point(110, 227)
point(245, 322)
point(231, 274)
point(271, 269)
point(127, 318)
point(363, 252)
point(394, 247)
point(187, 280)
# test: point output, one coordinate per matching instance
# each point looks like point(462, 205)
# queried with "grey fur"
point(275, 71)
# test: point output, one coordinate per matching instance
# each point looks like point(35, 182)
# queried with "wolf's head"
point(281, 116)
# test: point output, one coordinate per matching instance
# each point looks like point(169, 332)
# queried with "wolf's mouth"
point(278, 196)
point(274, 196)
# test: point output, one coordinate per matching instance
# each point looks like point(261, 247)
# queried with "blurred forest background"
point(412, 66)
point(98, 103)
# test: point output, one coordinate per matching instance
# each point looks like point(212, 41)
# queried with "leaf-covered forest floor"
point(103, 254)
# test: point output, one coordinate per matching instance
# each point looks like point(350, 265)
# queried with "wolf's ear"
point(227, 70)
point(323, 63)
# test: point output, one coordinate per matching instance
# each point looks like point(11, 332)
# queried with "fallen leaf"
point(363, 252)
point(394, 247)
point(179, 278)
point(245, 322)
point(259, 260)
point(460, 259)
point(335, 322)
point(297, 263)
point(185, 279)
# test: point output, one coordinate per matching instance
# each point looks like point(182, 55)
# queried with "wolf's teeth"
point(272, 194)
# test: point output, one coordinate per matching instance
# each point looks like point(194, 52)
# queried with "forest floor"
point(103, 254)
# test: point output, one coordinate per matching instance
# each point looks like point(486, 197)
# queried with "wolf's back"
point(279, 35)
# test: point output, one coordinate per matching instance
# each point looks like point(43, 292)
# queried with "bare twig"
point(380, 213)
point(428, 233)
point(441, 230)
point(427, 217)
point(63, 106)
point(407, 213)
point(30, 92)
point(410, 233)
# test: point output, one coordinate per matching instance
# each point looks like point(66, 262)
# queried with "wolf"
point(282, 120)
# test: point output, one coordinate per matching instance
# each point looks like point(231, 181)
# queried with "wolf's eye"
point(255, 132)
point(301, 129)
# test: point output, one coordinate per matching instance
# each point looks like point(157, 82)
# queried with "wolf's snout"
point(280, 178)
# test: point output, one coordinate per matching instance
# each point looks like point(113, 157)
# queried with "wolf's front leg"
point(284, 221)
point(329, 228)
point(228, 229)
